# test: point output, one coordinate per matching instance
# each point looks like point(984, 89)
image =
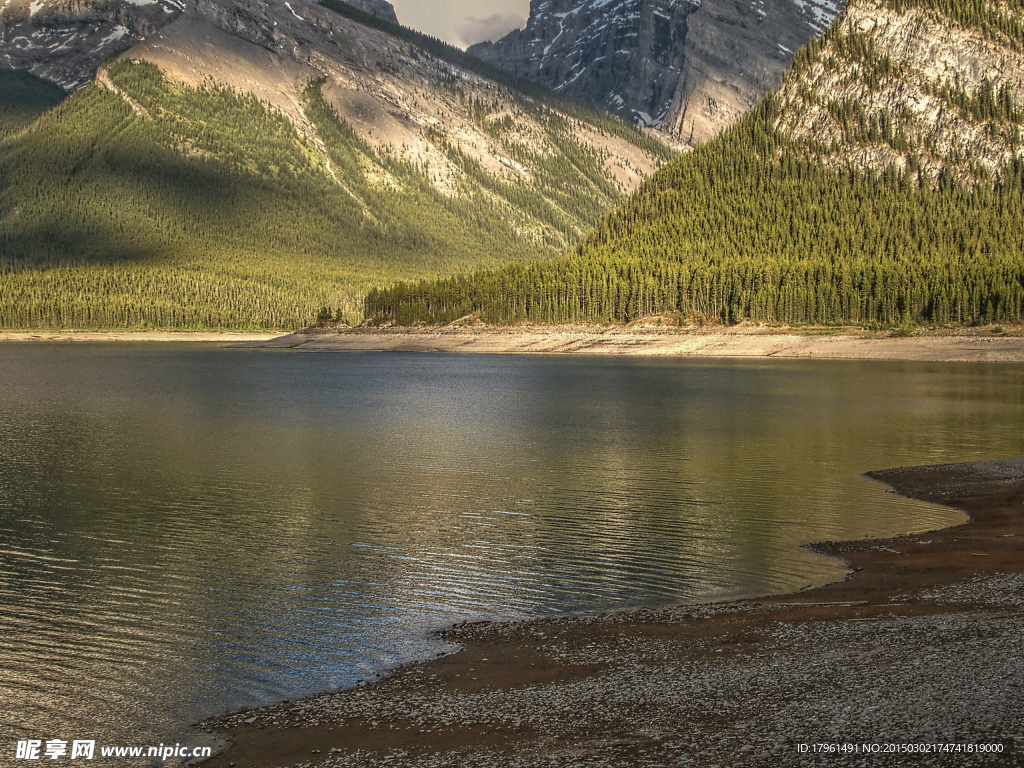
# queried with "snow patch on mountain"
point(65, 43)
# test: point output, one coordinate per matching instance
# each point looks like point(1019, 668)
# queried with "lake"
point(186, 529)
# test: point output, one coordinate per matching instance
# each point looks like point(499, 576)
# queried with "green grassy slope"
point(185, 208)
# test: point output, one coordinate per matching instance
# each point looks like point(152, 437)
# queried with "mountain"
point(881, 185)
point(381, 9)
point(248, 164)
point(687, 67)
point(64, 41)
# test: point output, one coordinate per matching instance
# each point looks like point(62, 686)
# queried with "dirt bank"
point(973, 345)
point(921, 645)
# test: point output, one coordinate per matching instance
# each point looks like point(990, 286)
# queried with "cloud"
point(475, 29)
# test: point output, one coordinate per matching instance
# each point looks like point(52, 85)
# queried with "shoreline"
point(231, 337)
point(922, 638)
point(965, 345)
point(651, 341)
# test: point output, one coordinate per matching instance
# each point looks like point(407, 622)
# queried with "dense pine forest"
point(773, 226)
point(746, 228)
point(146, 203)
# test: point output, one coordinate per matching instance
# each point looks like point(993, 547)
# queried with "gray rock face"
point(689, 67)
point(624, 55)
point(65, 40)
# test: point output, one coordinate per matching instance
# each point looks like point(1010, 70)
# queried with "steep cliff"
point(63, 41)
point(382, 9)
point(689, 68)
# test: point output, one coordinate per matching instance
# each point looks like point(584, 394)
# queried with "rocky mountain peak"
point(689, 67)
point(63, 41)
point(624, 55)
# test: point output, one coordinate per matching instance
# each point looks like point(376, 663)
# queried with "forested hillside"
point(869, 189)
point(169, 217)
point(249, 190)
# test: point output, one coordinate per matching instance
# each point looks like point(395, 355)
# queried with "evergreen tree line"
point(750, 227)
point(983, 105)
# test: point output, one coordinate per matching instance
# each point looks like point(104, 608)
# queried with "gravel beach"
point(919, 649)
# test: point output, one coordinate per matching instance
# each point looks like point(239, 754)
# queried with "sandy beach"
point(970, 345)
point(918, 649)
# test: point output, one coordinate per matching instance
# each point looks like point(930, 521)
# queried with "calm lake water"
point(185, 529)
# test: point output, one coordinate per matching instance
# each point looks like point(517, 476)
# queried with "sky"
point(463, 22)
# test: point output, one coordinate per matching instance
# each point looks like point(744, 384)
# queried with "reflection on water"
point(185, 529)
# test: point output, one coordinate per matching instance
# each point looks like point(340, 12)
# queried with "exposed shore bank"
point(921, 645)
point(228, 337)
point(965, 345)
point(740, 341)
